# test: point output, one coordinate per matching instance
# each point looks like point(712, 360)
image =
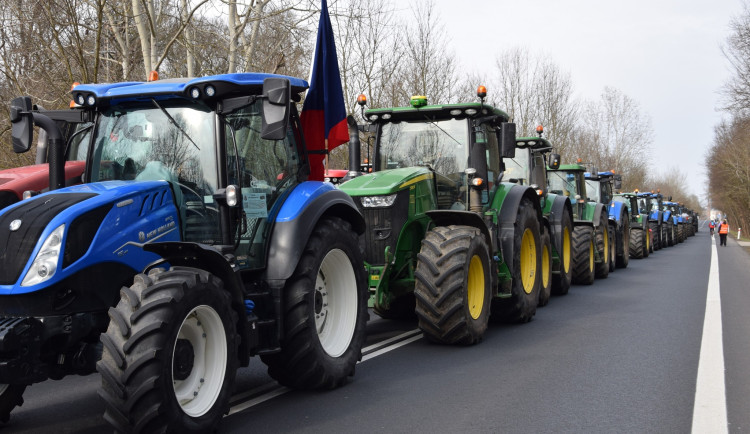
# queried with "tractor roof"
point(599, 175)
point(536, 143)
point(434, 112)
point(575, 167)
point(223, 85)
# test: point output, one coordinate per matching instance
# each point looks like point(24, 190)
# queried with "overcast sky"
point(665, 54)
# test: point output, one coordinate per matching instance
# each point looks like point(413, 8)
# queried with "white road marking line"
point(710, 408)
point(276, 390)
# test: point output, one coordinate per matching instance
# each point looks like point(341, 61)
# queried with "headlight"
point(378, 201)
point(45, 263)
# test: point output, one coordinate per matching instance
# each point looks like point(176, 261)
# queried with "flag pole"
point(326, 171)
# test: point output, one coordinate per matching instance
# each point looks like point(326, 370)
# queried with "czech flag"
point(323, 115)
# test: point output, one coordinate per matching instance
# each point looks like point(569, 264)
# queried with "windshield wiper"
point(446, 132)
point(174, 122)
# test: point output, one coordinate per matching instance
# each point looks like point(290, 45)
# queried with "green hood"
point(385, 182)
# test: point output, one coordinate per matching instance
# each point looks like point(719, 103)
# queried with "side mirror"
point(276, 102)
point(554, 161)
point(507, 140)
point(22, 122)
point(618, 182)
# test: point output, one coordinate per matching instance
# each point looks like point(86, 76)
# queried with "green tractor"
point(529, 167)
point(640, 245)
point(593, 248)
point(446, 238)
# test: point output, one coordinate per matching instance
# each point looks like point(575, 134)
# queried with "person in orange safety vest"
point(723, 231)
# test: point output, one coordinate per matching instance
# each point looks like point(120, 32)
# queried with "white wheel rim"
point(335, 303)
point(204, 330)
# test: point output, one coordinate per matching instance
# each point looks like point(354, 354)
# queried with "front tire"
point(545, 268)
point(524, 298)
point(324, 312)
point(561, 281)
point(603, 247)
point(170, 353)
point(636, 243)
point(623, 242)
point(583, 255)
point(453, 285)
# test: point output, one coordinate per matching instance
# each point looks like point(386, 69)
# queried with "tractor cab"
point(568, 180)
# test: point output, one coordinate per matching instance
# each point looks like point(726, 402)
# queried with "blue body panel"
point(142, 212)
point(300, 197)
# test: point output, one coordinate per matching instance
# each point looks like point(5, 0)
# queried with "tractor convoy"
point(171, 233)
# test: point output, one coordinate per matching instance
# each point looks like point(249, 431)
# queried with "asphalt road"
point(618, 356)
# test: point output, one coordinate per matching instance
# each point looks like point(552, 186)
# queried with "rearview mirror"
point(275, 117)
point(618, 182)
point(22, 122)
point(507, 140)
point(554, 161)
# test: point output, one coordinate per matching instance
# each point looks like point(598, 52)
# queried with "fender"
point(303, 208)
point(598, 210)
point(615, 212)
point(560, 205)
point(465, 218)
point(507, 218)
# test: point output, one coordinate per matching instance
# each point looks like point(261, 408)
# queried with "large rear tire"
point(522, 303)
point(623, 242)
point(170, 353)
point(603, 247)
point(636, 243)
point(452, 285)
point(545, 270)
point(583, 255)
point(11, 395)
point(324, 311)
point(561, 281)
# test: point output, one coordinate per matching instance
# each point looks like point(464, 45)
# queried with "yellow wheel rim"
point(545, 266)
point(475, 287)
point(591, 256)
point(566, 250)
point(648, 242)
point(528, 261)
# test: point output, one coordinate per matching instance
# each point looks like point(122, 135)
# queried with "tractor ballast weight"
point(436, 199)
point(193, 243)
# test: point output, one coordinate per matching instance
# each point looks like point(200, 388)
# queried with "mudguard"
point(300, 212)
point(465, 218)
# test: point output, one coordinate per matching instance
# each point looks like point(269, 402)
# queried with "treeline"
point(384, 51)
point(728, 158)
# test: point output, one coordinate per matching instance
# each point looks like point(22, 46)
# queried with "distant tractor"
point(447, 237)
point(640, 245)
point(593, 248)
point(600, 187)
point(529, 167)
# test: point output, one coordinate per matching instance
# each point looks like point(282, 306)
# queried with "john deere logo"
point(15, 225)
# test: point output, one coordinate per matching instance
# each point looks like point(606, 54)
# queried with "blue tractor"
point(194, 242)
point(600, 187)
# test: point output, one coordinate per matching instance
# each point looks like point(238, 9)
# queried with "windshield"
point(562, 183)
point(439, 144)
point(654, 205)
point(592, 190)
point(170, 141)
point(518, 168)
